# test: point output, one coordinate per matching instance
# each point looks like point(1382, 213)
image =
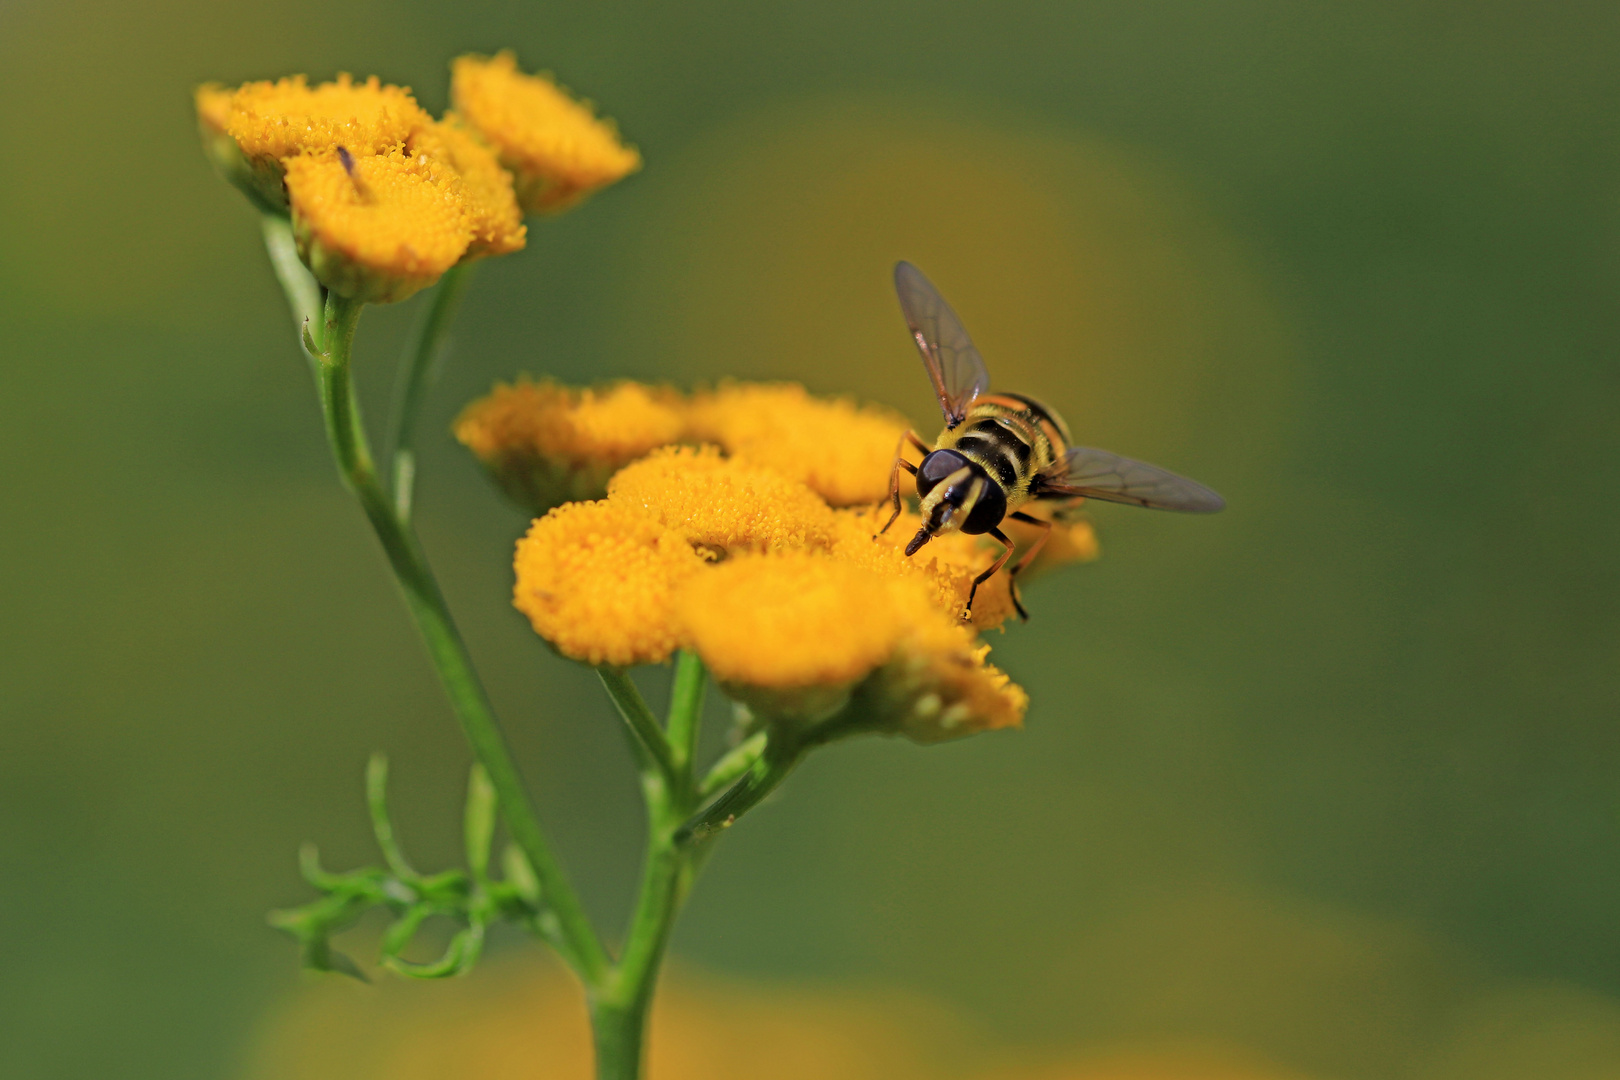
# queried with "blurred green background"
point(1333, 777)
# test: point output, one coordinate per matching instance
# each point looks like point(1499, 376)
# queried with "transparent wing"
point(1097, 474)
point(954, 366)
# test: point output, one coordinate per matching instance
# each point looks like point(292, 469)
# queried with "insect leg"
point(990, 573)
point(894, 475)
point(1028, 556)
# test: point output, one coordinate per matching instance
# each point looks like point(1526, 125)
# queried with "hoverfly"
point(1001, 451)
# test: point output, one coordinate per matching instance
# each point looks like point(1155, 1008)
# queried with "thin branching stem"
point(577, 939)
point(416, 375)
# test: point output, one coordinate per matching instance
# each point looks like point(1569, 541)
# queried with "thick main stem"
point(427, 605)
point(620, 1007)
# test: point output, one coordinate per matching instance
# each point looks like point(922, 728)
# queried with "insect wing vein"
point(1098, 474)
point(954, 366)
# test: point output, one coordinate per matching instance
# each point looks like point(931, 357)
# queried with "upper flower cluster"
point(740, 552)
point(384, 198)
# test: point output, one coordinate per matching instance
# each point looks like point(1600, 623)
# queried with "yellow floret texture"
point(598, 581)
point(416, 195)
point(555, 146)
point(377, 228)
point(486, 191)
point(278, 120)
point(837, 447)
point(723, 504)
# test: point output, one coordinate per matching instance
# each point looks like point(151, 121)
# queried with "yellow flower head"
point(383, 198)
point(842, 450)
point(486, 188)
point(598, 581)
point(289, 117)
point(380, 227)
point(274, 121)
point(791, 620)
point(722, 504)
point(546, 444)
point(555, 146)
point(829, 649)
point(931, 695)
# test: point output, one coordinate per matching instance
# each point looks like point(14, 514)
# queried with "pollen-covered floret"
point(376, 228)
point(598, 581)
point(547, 444)
point(722, 504)
point(840, 449)
point(791, 620)
point(556, 147)
point(948, 563)
point(486, 188)
point(289, 117)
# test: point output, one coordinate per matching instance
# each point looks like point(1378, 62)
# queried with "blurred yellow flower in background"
point(522, 1021)
point(527, 1021)
point(555, 146)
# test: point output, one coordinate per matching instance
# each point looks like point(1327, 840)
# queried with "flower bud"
point(546, 444)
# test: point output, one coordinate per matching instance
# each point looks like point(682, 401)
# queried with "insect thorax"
point(1009, 439)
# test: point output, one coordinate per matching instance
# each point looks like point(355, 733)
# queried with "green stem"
point(685, 707)
point(619, 1008)
point(302, 290)
point(416, 375)
point(738, 760)
point(642, 724)
point(578, 941)
point(767, 771)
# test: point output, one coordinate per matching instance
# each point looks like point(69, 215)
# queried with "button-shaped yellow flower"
point(274, 121)
point(377, 228)
point(598, 581)
point(721, 504)
point(555, 146)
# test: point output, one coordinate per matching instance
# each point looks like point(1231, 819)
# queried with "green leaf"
point(459, 957)
point(381, 826)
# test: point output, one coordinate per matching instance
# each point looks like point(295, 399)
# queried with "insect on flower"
point(999, 452)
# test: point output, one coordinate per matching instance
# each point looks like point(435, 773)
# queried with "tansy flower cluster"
point(740, 551)
point(383, 198)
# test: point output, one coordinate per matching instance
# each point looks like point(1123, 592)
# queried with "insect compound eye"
point(937, 466)
point(988, 511)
